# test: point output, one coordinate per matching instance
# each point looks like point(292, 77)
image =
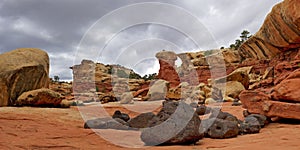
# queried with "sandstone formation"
point(279, 33)
point(275, 48)
point(41, 97)
point(167, 69)
point(261, 103)
point(198, 67)
point(64, 88)
point(22, 70)
point(96, 81)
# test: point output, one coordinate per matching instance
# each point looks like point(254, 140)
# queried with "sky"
point(125, 32)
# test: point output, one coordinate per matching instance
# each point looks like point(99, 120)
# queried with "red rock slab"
point(287, 90)
point(260, 103)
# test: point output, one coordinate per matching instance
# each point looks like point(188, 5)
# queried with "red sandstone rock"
point(287, 90)
point(167, 69)
point(260, 103)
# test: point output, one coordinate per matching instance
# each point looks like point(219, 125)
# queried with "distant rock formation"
point(167, 69)
point(22, 70)
point(196, 67)
point(96, 82)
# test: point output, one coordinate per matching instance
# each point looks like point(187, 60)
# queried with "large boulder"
point(106, 123)
point(22, 70)
point(120, 115)
point(240, 75)
point(126, 98)
point(141, 121)
point(176, 123)
point(250, 125)
point(287, 90)
point(220, 129)
point(158, 90)
point(260, 103)
point(233, 89)
point(40, 97)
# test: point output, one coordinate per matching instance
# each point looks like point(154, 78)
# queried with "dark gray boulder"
point(99, 123)
point(220, 129)
point(176, 123)
point(250, 125)
point(106, 123)
point(141, 121)
point(216, 113)
point(119, 114)
point(263, 120)
point(117, 124)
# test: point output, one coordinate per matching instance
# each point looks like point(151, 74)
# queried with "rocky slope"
point(277, 43)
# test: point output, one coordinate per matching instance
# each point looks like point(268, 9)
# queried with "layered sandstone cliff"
point(279, 33)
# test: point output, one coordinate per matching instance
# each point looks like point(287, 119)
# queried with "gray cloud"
point(58, 26)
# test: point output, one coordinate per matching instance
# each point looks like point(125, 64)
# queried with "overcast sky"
point(128, 32)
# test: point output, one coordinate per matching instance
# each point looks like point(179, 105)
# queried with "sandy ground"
point(51, 128)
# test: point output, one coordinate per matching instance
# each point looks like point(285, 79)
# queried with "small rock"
point(99, 123)
point(106, 98)
point(261, 119)
point(65, 104)
point(236, 103)
point(202, 110)
point(210, 101)
point(246, 113)
point(250, 125)
point(120, 115)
